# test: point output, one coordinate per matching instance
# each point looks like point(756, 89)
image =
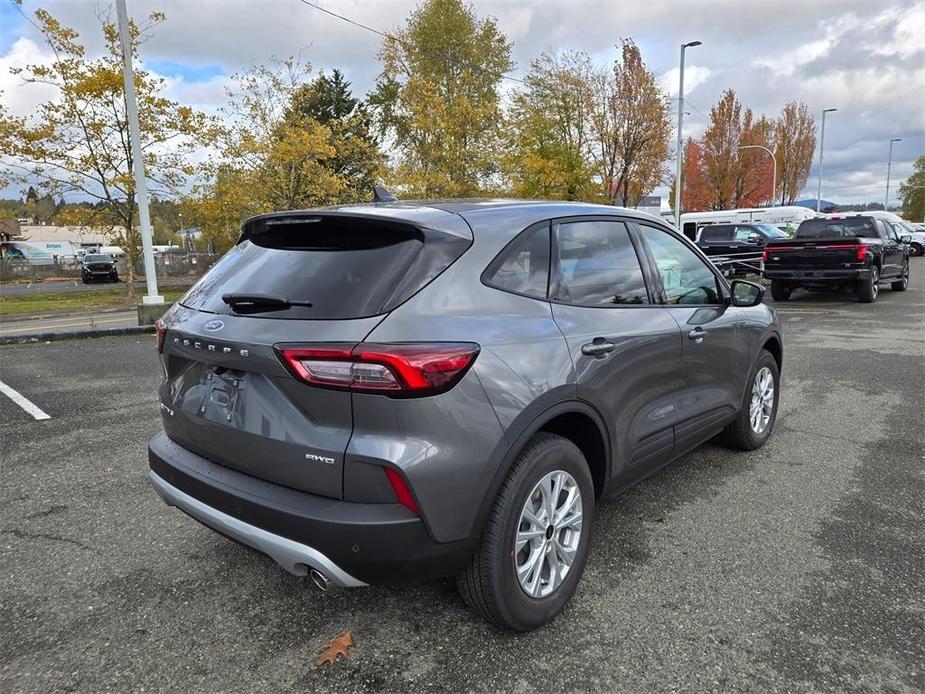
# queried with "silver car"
point(395, 392)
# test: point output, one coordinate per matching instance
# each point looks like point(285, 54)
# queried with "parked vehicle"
point(737, 248)
point(97, 267)
point(395, 393)
point(916, 234)
point(788, 216)
point(903, 228)
point(855, 251)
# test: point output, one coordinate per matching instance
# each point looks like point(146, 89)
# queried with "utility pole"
point(677, 178)
point(821, 145)
point(889, 165)
point(774, 171)
point(138, 165)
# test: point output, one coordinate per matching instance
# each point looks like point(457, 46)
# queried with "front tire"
point(869, 288)
point(526, 567)
point(780, 291)
point(902, 283)
point(755, 421)
point(915, 249)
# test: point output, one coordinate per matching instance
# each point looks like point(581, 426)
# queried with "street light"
point(889, 165)
point(138, 165)
point(821, 145)
point(773, 175)
point(677, 178)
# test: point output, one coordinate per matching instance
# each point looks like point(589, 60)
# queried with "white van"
point(787, 218)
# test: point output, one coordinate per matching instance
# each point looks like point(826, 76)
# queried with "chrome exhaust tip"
point(320, 580)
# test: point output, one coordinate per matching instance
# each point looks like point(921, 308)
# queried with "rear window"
point(717, 232)
point(851, 227)
point(328, 268)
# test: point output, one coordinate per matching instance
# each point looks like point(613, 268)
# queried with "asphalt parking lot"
point(797, 567)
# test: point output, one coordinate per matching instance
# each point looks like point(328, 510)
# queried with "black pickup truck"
point(736, 248)
point(858, 252)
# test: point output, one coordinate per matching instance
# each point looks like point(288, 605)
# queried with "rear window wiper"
point(266, 302)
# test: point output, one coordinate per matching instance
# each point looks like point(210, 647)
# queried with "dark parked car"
point(395, 393)
point(98, 267)
point(857, 252)
point(736, 248)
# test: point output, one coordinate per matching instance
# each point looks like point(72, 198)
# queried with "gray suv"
point(391, 393)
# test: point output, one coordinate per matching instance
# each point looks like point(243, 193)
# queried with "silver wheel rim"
point(874, 279)
point(762, 404)
point(548, 534)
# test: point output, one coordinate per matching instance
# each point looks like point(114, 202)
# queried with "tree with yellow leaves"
point(76, 143)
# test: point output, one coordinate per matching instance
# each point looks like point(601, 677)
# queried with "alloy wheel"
point(548, 534)
point(762, 403)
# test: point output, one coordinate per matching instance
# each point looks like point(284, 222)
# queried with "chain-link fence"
point(173, 265)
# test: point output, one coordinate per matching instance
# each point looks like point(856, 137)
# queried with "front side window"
point(597, 265)
point(744, 234)
point(686, 279)
point(523, 267)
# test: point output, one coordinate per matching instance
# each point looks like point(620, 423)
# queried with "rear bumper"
point(837, 275)
point(353, 544)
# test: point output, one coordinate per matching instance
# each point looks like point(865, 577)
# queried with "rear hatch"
point(295, 278)
point(823, 244)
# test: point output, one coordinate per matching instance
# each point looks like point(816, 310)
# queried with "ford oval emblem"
point(213, 325)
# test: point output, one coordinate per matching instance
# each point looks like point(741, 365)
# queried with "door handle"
point(599, 347)
point(697, 334)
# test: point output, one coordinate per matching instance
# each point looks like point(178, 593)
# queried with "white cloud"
point(21, 99)
point(694, 76)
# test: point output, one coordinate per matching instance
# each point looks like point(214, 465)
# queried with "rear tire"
point(902, 283)
point(868, 289)
point(490, 584)
point(742, 433)
point(780, 291)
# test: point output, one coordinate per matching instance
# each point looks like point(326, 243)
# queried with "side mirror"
point(906, 238)
point(746, 293)
point(754, 239)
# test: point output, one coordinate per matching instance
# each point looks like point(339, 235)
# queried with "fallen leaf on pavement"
point(339, 646)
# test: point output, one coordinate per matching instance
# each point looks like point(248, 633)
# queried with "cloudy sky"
point(864, 57)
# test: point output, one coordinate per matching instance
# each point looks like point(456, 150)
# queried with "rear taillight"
point(862, 252)
point(771, 249)
point(160, 330)
point(399, 370)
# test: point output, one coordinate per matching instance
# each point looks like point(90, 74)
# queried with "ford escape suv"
point(395, 392)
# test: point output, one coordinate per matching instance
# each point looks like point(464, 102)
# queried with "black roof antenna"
point(383, 194)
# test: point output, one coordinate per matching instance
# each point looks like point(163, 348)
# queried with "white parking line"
point(23, 402)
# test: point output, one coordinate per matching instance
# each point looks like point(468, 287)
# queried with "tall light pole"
point(821, 145)
point(677, 178)
point(138, 165)
point(889, 165)
point(774, 171)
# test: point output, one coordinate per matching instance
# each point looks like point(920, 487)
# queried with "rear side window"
point(597, 265)
point(327, 267)
point(718, 232)
point(523, 267)
point(849, 227)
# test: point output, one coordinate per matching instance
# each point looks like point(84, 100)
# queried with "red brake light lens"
point(160, 330)
point(399, 369)
point(862, 252)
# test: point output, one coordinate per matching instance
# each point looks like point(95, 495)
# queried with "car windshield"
point(96, 258)
point(849, 227)
point(772, 232)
